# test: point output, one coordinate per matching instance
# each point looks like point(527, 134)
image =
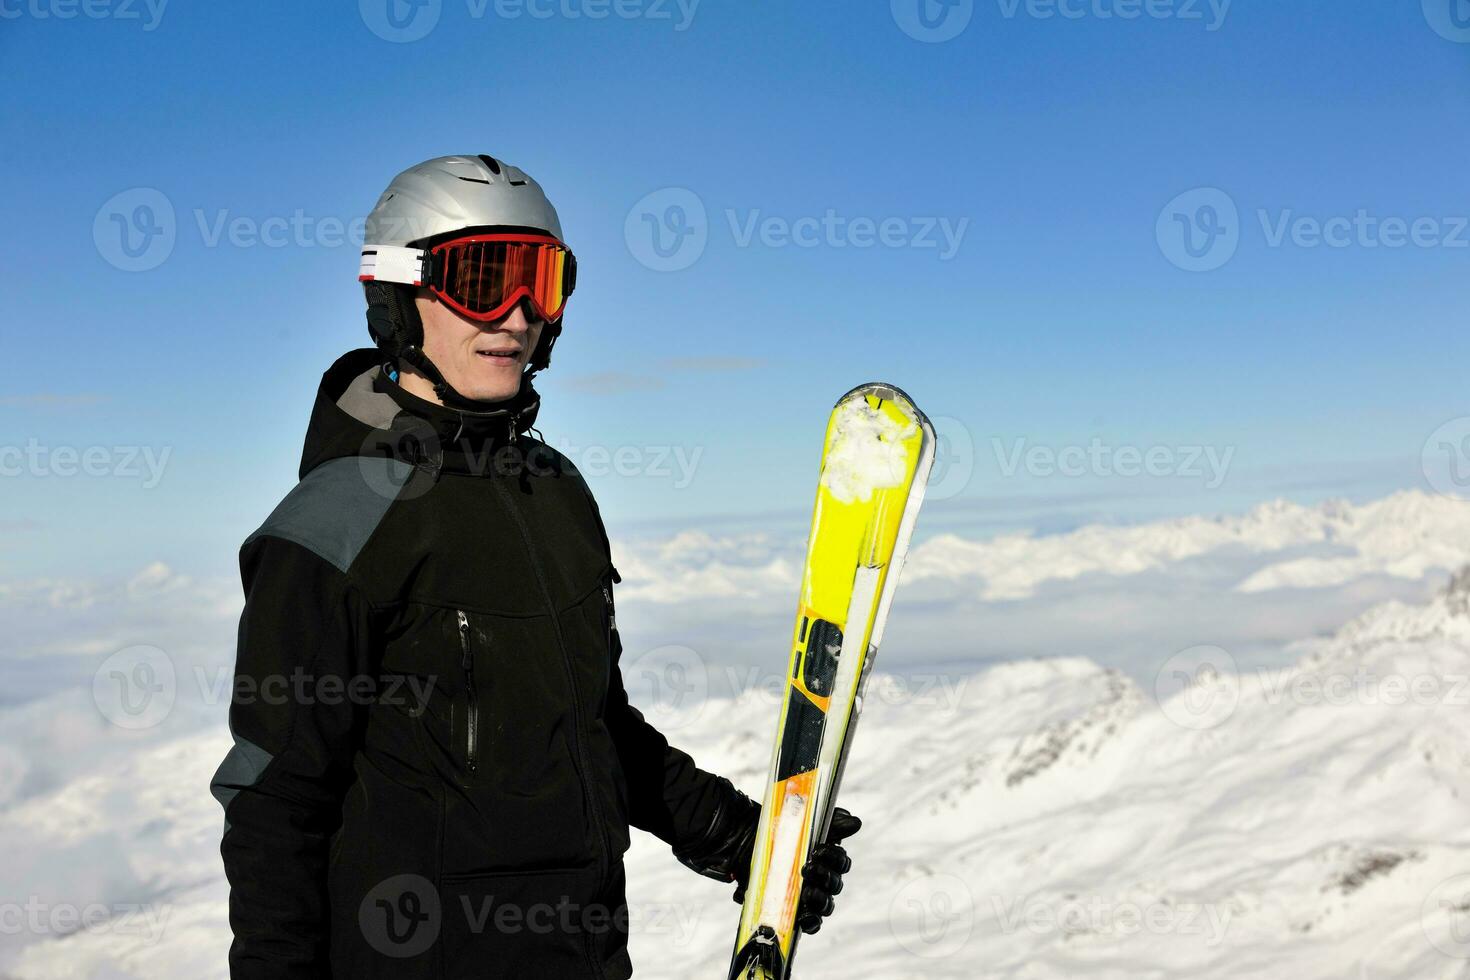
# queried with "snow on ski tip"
point(867, 451)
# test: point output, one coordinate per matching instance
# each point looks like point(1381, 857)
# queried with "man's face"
point(482, 361)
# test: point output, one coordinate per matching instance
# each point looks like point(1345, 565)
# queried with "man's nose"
point(516, 321)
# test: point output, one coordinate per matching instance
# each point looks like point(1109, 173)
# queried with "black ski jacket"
point(435, 764)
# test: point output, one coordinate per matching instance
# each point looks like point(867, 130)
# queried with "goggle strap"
point(393, 263)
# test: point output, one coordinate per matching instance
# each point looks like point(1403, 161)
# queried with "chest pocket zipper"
point(609, 615)
point(472, 712)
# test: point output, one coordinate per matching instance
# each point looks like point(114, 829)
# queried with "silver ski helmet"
point(438, 201)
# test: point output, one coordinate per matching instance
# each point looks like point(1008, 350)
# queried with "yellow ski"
point(875, 464)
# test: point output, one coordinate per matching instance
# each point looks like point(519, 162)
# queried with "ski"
point(876, 459)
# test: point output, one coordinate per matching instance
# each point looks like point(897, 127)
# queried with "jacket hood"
point(360, 411)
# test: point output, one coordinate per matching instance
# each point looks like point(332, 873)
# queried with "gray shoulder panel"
point(366, 404)
point(336, 508)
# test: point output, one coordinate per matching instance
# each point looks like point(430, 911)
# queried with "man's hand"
point(821, 876)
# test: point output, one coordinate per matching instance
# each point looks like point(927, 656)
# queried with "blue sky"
point(1058, 144)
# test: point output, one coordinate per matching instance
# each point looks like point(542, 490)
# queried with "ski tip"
point(884, 391)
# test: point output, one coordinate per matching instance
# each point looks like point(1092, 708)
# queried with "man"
point(435, 763)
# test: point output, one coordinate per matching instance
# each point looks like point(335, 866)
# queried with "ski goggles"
point(482, 276)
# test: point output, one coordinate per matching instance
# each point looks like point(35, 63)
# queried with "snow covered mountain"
point(1036, 819)
point(1216, 816)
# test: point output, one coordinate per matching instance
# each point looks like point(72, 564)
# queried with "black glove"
point(821, 876)
point(723, 853)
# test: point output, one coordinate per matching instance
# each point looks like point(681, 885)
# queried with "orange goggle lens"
point(484, 276)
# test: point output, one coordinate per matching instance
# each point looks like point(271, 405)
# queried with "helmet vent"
point(490, 162)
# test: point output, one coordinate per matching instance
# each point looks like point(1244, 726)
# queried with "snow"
point(866, 452)
point(1048, 817)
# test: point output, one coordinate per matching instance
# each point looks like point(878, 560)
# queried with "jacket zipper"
point(583, 766)
point(472, 724)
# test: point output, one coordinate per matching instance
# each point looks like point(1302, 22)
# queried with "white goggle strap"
point(393, 263)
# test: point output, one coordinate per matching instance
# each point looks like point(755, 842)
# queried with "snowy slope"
point(1404, 535)
point(1040, 819)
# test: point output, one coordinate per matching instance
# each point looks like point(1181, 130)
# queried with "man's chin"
point(496, 391)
